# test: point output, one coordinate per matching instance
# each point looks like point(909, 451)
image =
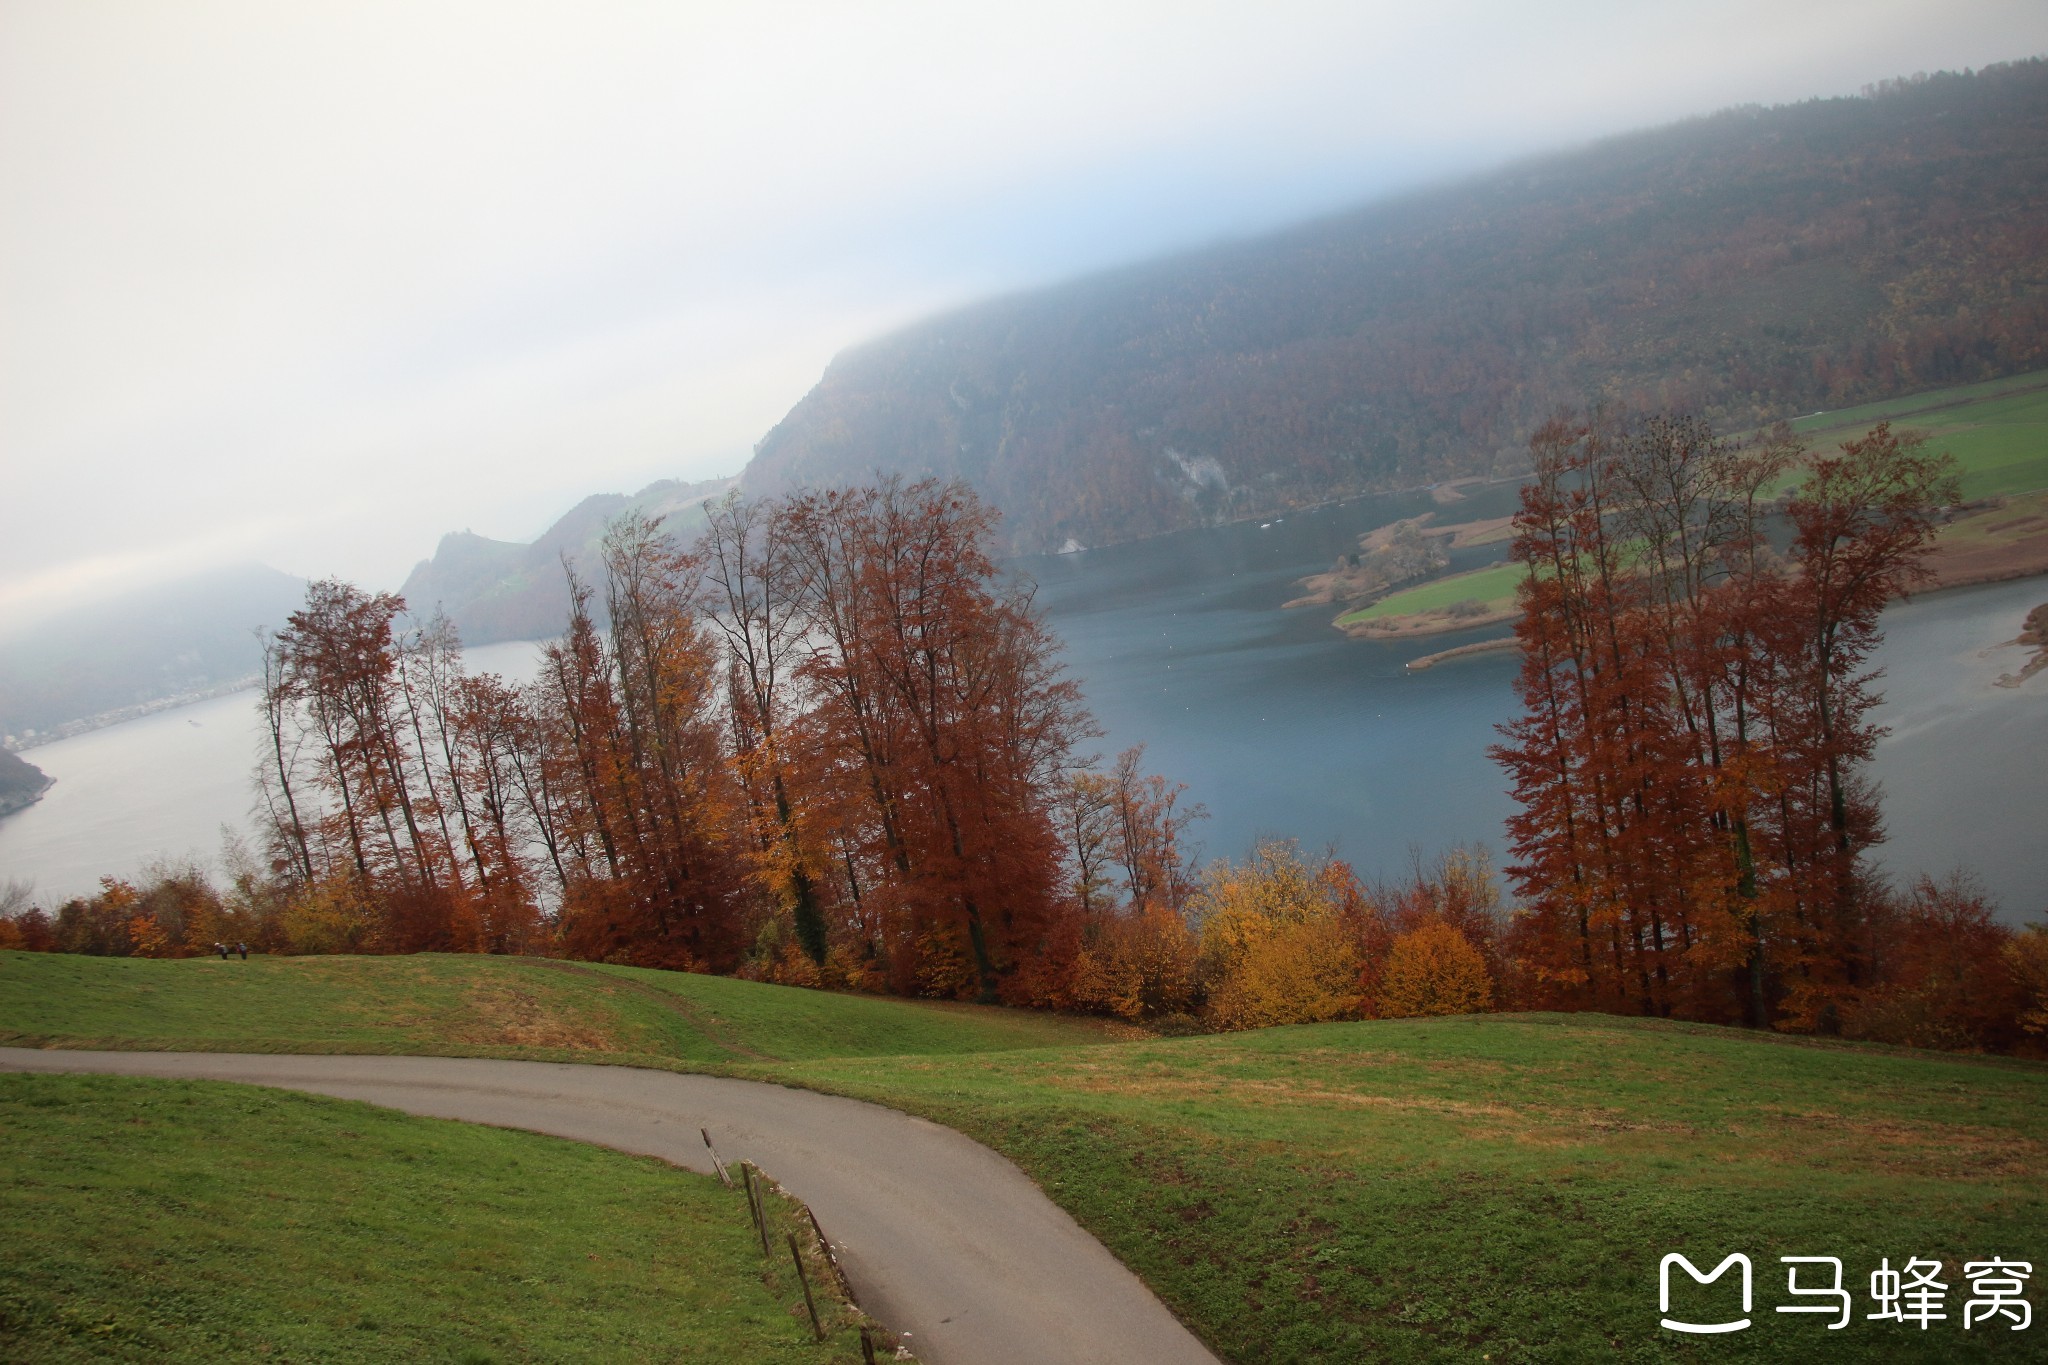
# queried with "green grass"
point(146, 1220)
point(784, 1023)
point(1412, 1190)
point(485, 1006)
point(1998, 432)
point(1917, 404)
point(1494, 585)
point(1506, 1186)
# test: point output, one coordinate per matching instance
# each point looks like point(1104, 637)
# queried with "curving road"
point(941, 1239)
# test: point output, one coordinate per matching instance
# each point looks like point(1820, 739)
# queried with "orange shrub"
point(1137, 965)
point(1434, 970)
point(1300, 972)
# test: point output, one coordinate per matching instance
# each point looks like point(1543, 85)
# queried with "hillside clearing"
point(1504, 1184)
point(1438, 1189)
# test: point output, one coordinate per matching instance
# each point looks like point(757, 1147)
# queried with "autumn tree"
point(340, 687)
point(939, 721)
point(1276, 947)
point(1695, 712)
point(751, 597)
point(1862, 521)
point(627, 781)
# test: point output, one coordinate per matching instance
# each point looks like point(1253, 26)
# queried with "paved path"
point(942, 1239)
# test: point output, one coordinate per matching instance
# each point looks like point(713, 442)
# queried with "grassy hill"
point(1499, 1186)
point(1751, 265)
point(1997, 431)
point(152, 1220)
point(1492, 587)
point(483, 1006)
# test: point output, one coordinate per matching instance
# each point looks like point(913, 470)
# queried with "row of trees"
point(826, 744)
point(1689, 762)
point(829, 727)
point(1276, 939)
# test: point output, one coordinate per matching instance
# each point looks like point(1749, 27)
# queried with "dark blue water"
point(1283, 726)
point(1277, 722)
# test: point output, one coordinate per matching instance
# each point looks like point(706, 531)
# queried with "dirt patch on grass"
point(506, 1013)
point(1943, 1150)
point(702, 1020)
point(1487, 531)
point(2008, 541)
point(1265, 1093)
point(1440, 621)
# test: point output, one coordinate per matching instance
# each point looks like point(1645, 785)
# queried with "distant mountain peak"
point(508, 590)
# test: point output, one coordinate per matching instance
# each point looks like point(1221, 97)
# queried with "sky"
point(315, 283)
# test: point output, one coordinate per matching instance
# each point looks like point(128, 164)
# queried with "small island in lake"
point(1396, 578)
point(2035, 633)
point(22, 783)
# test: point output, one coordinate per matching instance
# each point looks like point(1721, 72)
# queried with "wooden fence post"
point(805, 1281)
point(756, 1204)
point(716, 1164)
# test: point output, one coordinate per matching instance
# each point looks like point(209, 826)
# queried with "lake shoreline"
point(2035, 633)
point(1505, 642)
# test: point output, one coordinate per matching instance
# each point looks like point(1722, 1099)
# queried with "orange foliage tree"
point(1692, 821)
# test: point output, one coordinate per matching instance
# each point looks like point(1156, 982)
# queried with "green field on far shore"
point(1496, 1186)
point(1997, 431)
point(1493, 587)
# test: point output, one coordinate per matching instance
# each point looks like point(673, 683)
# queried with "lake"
point(1276, 722)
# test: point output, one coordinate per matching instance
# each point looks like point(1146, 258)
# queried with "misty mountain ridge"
point(507, 590)
point(1754, 264)
point(185, 637)
point(197, 636)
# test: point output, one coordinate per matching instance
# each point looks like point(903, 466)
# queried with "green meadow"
point(480, 1006)
point(1997, 432)
point(1494, 586)
point(1497, 1187)
point(1505, 1187)
point(189, 1220)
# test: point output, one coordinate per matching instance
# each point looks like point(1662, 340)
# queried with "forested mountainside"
point(504, 590)
point(1754, 264)
point(173, 639)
